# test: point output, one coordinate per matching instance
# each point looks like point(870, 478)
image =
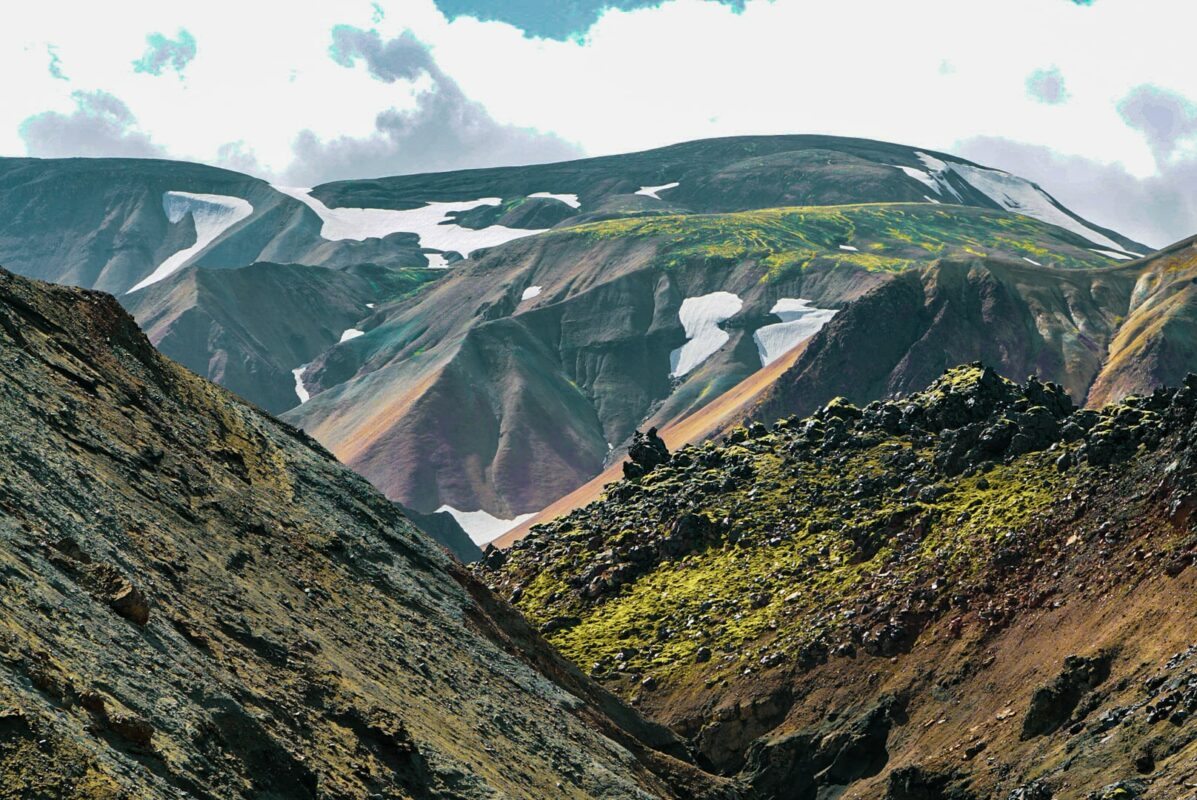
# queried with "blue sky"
point(1095, 100)
point(553, 19)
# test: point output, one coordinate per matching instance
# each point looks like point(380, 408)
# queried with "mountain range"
point(485, 342)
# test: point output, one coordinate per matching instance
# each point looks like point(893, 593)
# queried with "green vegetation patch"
point(849, 530)
point(888, 237)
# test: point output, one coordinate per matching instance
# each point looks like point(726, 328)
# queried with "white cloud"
point(686, 69)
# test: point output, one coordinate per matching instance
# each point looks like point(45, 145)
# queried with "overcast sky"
point(1091, 98)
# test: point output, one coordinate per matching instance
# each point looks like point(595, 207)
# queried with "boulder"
point(646, 453)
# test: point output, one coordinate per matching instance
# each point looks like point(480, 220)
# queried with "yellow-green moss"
point(786, 240)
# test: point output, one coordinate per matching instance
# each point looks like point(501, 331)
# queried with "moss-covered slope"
point(837, 588)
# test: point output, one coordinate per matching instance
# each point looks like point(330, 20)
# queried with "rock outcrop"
point(976, 590)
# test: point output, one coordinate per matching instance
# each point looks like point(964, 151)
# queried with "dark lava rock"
point(1038, 790)
point(1052, 704)
point(128, 601)
point(919, 783)
point(559, 624)
point(132, 729)
point(1121, 790)
point(808, 763)
point(646, 453)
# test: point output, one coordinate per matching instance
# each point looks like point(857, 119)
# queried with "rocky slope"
point(200, 602)
point(1157, 343)
point(1021, 319)
point(974, 591)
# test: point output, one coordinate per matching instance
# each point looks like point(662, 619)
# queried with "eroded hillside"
point(200, 602)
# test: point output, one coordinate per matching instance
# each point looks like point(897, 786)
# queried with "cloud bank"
point(444, 131)
point(416, 85)
point(100, 125)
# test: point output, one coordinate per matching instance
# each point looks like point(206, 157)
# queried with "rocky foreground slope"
point(975, 591)
point(198, 601)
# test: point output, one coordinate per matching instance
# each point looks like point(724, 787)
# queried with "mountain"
point(562, 344)
point(116, 224)
point(1157, 343)
point(444, 529)
point(1021, 319)
point(246, 328)
point(738, 174)
point(582, 300)
point(1103, 334)
point(973, 591)
point(199, 601)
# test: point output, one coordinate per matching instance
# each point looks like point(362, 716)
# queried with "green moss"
point(886, 237)
point(802, 544)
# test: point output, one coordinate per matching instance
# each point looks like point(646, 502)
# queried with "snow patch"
point(530, 292)
point(482, 527)
point(921, 176)
point(700, 317)
point(849, 248)
point(350, 334)
point(651, 191)
point(799, 321)
point(369, 305)
point(1111, 254)
point(1031, 261)
point(213, 214)
point(431, 223)
point(570, 200)
point(930, 199)
point(300, 391)
point(437, 261)
point(1014, 194)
